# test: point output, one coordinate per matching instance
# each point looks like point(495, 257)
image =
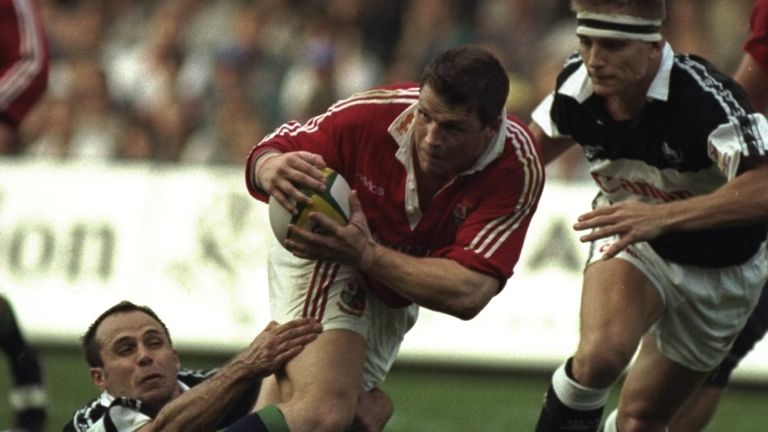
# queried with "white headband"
point(618, 26)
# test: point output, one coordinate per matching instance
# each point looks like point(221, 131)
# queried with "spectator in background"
point(752, 74)
point(166, 50)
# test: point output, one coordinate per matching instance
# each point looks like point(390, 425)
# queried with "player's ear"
point(98, 378)
point(493, 128)
point(657, 48)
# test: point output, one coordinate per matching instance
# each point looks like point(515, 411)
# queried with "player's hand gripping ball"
point(334, 203)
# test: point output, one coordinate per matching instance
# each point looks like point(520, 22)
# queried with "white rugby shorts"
point(705, 308)
point(336, 296)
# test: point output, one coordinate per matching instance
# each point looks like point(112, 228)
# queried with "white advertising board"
point(189, 242)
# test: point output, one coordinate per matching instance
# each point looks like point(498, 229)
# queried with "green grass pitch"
point(426, 399)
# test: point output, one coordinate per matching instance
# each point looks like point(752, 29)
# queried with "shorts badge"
point(352, 299)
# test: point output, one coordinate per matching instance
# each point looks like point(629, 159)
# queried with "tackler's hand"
point(350, 244)
point(631, 221)
point(282, 175)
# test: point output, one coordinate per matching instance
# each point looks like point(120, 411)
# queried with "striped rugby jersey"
point(110, 414)
point(23, 59)
point(688, 140)
point(479, 219)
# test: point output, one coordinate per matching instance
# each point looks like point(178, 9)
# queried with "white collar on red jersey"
point(401, 131)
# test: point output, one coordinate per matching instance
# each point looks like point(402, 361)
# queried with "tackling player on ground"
point(678, 254)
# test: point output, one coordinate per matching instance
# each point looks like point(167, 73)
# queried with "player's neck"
point(626, 104)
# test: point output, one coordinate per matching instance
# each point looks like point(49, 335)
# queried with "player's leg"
point(654, 389)
point(28, 396)
point(325, 382)
point(697, 412)
point(618, 306)
point(319, 388)
point(374, 408)
point(318, 391)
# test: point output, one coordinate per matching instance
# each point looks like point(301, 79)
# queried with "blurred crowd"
point(202, 81)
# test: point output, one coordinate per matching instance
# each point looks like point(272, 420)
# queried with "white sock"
point(575, 395)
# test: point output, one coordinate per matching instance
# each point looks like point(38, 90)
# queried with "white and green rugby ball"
point(334, 203)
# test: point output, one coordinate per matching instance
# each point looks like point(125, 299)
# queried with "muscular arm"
point(741, 201)
point(203, 406)
point(440, 284)
point(551, 148)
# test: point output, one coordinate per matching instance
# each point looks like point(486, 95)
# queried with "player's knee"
point(599, 366)
point(333, 412)
point(629, 423)
point(329, 419)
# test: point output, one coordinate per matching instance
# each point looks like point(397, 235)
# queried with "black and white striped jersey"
point(688, 140)
point(110, 414)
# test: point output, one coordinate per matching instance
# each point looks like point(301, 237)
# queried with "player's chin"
point(434, 166)
point(157, 396)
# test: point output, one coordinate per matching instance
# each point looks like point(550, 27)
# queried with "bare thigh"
point(618, 306)
point(323, 382)
point(655, 388)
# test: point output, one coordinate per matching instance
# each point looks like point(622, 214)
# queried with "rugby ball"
point(334, 203)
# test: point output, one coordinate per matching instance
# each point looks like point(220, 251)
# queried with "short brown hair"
point(91, 346)
point(469, 76)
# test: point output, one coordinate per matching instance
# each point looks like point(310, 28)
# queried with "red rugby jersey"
point(479, 219)
point(757, 42)
point(23, 59)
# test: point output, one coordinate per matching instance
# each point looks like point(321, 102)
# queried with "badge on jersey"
point(352, 299)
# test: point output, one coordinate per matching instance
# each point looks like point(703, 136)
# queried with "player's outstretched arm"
point(203, 406)
point(741, 201)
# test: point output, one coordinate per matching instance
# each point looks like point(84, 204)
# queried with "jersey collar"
point(401, 131)
point(106, 399)
point(578, 86)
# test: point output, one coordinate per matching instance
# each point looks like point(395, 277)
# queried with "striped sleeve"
point(24, 73)
point(498, 231)
point(743, 134)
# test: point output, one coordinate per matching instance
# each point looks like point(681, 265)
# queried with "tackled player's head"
point(472, 77)
point(131, 355)
point(92, 347)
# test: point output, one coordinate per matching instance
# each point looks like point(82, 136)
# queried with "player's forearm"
point(435, 283)
point(551, 148)
point(202, 407)
point(742, 201)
